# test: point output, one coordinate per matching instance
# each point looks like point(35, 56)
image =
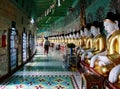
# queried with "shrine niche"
point(89, 18)
point(115, 6)
point(100, 14)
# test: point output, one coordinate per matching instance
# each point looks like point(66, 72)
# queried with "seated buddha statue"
point(75, 41)
point(77, 35)
point(73, 38)
point(65, 38)
point(98, 42)
point(114, 75)
point(87, 37)
point(83, 43)
point(87, 40)
point(103, 62)
point(80, 41)
point(69, 37)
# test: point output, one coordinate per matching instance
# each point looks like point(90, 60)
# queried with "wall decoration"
point(100, 14)
point(89, 18)
point(115, 6)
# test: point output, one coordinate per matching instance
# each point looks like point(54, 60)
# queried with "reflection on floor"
point(44, 72)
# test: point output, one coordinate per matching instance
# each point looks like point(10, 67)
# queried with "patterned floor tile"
point(44, 72)
point(40, 82)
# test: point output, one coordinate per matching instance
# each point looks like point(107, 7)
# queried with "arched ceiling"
point(49, 11)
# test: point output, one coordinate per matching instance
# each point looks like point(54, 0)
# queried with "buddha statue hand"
point(101, 63)
point(103, 60)
point(114, 73)
point(82, 50)
point(89, 54)
point(83, 56)
point(79, 51)
point(93, 59)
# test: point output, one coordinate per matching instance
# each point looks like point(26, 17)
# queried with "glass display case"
point(24, 46)
point(27, 44)
point(19, 49)
point(13, 48)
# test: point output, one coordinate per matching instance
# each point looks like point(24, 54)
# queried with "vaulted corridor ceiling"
point(47, 12)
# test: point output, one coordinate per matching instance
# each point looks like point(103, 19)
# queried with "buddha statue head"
point(77, 34)
point(95, 28)
point(82, 32)
point(111, 23)
point(87, 32)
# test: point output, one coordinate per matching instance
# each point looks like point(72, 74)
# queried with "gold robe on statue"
point(113, 53)
point(97, 45)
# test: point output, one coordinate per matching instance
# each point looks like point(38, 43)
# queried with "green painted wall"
point(92, 9)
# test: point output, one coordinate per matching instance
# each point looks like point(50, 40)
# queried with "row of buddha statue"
point(100, 51)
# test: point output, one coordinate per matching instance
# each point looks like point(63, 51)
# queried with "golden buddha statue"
point(87, 37)
point(95, 44)
point(80, 39)
point(76, 38)
point(87, 41)
point(72, 38)
point(103, 62)
point(65, 38)
point(69, 38)
point(84, 36)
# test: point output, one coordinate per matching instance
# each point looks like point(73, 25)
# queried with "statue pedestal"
point(91, 81)
point(109, 85)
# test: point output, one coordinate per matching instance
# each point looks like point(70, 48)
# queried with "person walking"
point(46, 45)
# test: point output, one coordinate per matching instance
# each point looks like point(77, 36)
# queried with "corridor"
point(44, 72)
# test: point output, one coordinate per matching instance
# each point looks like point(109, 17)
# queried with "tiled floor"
point(44, 72)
